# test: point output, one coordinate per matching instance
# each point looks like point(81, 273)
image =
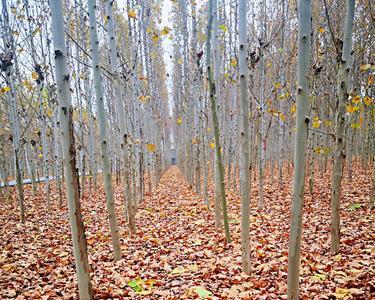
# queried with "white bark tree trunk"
point(121, 116)
point(7, 64)
point(303, 63)
point(219, 163)
point(338, 162)
point(66, 123)
point(244, 139)
point(106, 167)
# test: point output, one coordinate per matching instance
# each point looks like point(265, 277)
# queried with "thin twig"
point(331, 30)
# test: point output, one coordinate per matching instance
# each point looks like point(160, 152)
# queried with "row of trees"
point(86, 93)
point(253, 101)
point(57, 103)
point(29, 106)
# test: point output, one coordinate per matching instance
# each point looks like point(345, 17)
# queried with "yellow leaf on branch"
point(223, 28)
point(355, 125)
point(132, 14)
point(155, 38)
point(151, 147)
point(166, 30)
point(195, 141)
point(351, 109)
point(364, 67)
point(328, 123)
point(367, 100)
point(356, 99)
point(49, 112)
point(370, 80)
point(316, 124)
point(317, 150)
point(143, 98)
point(34, 75)
point(293, 109)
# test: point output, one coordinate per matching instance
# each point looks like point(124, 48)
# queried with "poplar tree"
point(69, 155)
point(343, 95)
point(107, 176)
point(212, 96)
point(302, 122)
point(244, 164)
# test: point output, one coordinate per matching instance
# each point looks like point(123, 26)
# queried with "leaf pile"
point(178, 253)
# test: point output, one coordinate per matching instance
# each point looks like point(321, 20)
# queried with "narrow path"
point(177, 244)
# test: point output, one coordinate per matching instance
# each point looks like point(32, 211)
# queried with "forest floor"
point(178, 253)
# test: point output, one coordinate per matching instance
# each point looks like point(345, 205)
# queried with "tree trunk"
point(121, 117)
point(7, 63)
point(106, 167)
point(304, 25)
point(244, 165)
point(219, 163)
point(66, 123)
point(338, 162)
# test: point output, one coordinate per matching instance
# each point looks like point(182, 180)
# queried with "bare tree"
point(67, 138)
point(302, 122)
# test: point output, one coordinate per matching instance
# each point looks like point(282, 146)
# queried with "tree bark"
point(66, 123)
point(304, 25)
point(244, 166)
point(219, 163)
point(338, 162)
point(107, 176)
point(7, 63)
point(131, 209)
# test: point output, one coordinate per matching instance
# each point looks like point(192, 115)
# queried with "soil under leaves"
point(178, 253)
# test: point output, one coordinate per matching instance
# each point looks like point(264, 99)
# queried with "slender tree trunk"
point(42, 113)
point(121, 116)
point(260, 132)
point(304, 26)
point(205, 170)
point(57, 150)
point(106, 167)
point(7, 63)
point(244, 165)
point(216, 78)
point(66, 123)
point(91, 135)
point(19, 182)
point(219, 163)
point(262, 138)
point(338, 162)
point(350, 154)
point(30, 159)
point(217, 204)
point(282, 104)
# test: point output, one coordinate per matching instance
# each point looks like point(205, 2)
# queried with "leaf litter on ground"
point(178, 253)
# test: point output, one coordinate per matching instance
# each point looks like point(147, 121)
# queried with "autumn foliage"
point(178, 254)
